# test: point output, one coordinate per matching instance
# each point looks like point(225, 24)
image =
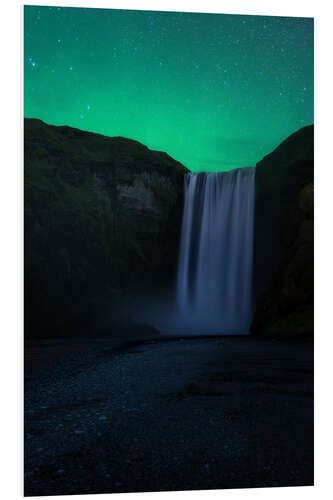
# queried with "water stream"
point(214, 285)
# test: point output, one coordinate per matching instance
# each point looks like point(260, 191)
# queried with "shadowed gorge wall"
point(283, 238)
point(102, 219)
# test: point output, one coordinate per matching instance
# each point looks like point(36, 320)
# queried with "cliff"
point(283, 239)
point(102, 218)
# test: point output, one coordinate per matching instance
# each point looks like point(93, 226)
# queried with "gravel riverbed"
point(171, 415)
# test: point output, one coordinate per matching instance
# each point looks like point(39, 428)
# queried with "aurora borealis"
point(214, 91)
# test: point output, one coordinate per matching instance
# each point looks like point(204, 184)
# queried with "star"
point(32, 62)
point(248, 63)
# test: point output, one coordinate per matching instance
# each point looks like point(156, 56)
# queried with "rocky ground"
point(171, 415)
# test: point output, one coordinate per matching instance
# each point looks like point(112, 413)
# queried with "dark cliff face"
point(283, 238)
point(102, 219)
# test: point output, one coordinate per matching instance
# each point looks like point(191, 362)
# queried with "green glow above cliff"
point(214, 91)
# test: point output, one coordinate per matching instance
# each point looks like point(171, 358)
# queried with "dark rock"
point(102, 218)
point(283, 240)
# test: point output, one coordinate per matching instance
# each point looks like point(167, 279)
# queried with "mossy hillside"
point(102, 217)
point(286, 306)
point(283, 238)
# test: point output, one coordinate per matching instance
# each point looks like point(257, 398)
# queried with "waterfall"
point(214, 285)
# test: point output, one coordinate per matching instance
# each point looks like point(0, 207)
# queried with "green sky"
point(214, 91)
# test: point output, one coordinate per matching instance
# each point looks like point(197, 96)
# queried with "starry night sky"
point(214, 91)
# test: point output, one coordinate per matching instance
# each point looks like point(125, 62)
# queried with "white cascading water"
point(214, 286)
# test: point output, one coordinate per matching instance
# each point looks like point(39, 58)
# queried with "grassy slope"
point(283, 251)
point(80, 241)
